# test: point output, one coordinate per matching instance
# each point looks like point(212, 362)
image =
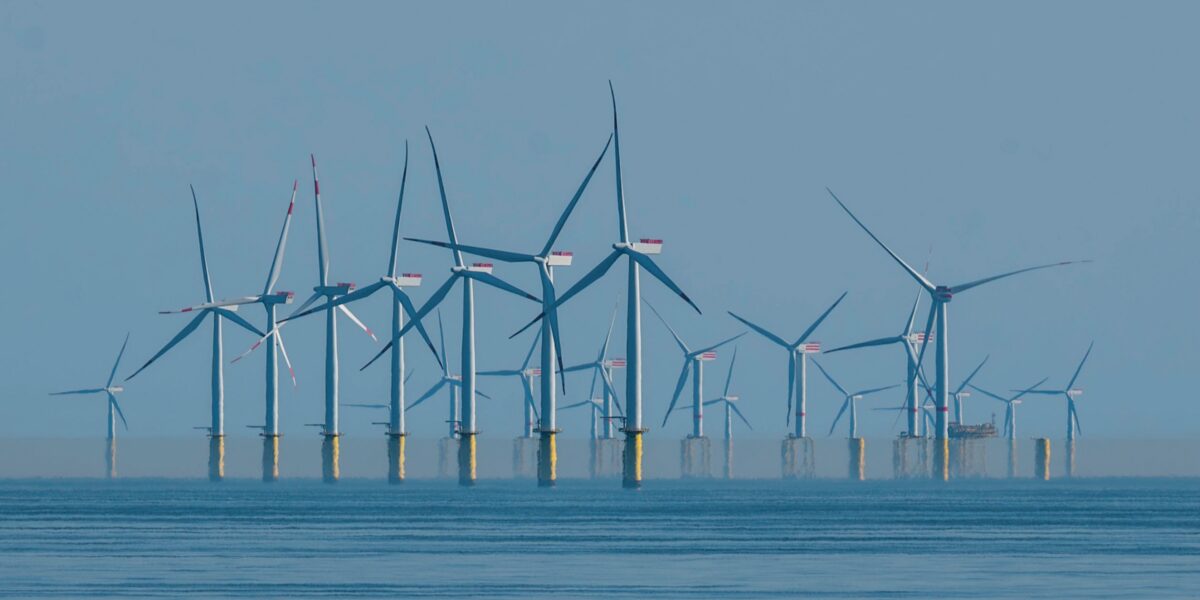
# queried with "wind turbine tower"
point(1070, 393)
point(114, 410)
point(857, 445)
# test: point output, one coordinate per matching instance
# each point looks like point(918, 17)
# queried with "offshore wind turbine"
point(1010, 406)
point(639, 254)
point(1070, 393)
point(481, 272)
point(111, 392)
point(798, 352)
point(693, 363)
point(216, 428)
point(603, 368)
point(526, 375)
point(729, 404)
point(545, 260)
point(910, 341)
point(940, 297)
point(849, 401)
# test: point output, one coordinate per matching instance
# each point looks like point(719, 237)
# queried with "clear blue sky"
point(992, 136)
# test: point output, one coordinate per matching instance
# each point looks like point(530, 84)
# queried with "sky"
point(976, 137)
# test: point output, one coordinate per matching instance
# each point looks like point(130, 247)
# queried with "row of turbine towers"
point(541, 418)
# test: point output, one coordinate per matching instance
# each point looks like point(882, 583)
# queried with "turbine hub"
point(943, 293)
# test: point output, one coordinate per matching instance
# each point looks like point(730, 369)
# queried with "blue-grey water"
point(1118, 538)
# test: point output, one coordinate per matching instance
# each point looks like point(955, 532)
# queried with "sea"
point(763, 538)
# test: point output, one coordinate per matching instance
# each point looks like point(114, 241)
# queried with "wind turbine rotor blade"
point(528, 398)
point(596, 273)
point(867, 344)
point(399, 208)
point(117, 363)
point(1071, 384)
point(1075, 416)
point(216, 304)
point(737, 411)
point(359, 405)
point(811, 328)
point(683, 374)
point(1041, 392)
point(830, 378)
point(678, 340)
point(500, 255)
point(437, 164)
point(575, 405)
point(281, 245)
point(652, 268)
point(322, 243)
point(967, 381)
point(307, 303)
point(529, 354)
point(496, 282)
point(562, 219)
point(398, 295)
point(442, 341)
point(718, 344)
point(574, 368)
point(1026, 390)
point(596, 370)
point(925, 283)
point(429, 393)
point(912, 316)
point(962, 287)
point(186, 331)
point(845, 405)
point(208, 294)
point(607, 336)
point(989, 394)
point(238, 320)
point(283, 352)
point(409, 376)
point(354, 296)
point(729, 377)
point(117, 405)
point(763, 332)
point(357, 321)
point(499, 373)
point(933, 306)
point(622, 222)
point(612, 389)
point(552, 313)
point(382, 351)
point(429, 305)
point(791, 391)
point(75, 392)
point(877, 390)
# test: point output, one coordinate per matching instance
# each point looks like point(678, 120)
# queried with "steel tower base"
point(858, 459)
point(1041, 465)
point(695, 458)
point(216, 457)
point(466, 458)
point(270, 458)
point(797, 457)
point(524, 457)
point(1013, 463)
point(547, 459)
point(330, 473)
point(941, 459)
point(631, 476)
point(395, 450)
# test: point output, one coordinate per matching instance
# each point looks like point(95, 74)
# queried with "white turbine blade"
point(307, 303)
point(281, 245)
point(967, 381)
point(575, 405)
point(612, 389)
point(73, 392)
point(399, 207)
point(738, 412)
point(718, 344)
point(933, 306)
point(761, 331)
point(429, 393)
point(562, 219)
point(1071, 384)
point(217, 304)
point(529, 354)
point(1026, 390)
point(867, 344)
point(120, 413)
point(830, 378)
point(989, 394)
point(354, 296)
point(283, 352)
point(117, 363)
point(791, 386)
point(925, 283)
point(500, 284)
point(322, 244)
point(876, 390)
point(357, 321)
point(612, 321)
point(912, 317)
point(574, 368)
point(437, 164)
point(399, 295)
point(186, 331)
point(811, 328)
point(499, 373)
point(357, 405)
point(596, 273)
point(238, 320)
point(208, 294)
point(1074, 415)
point(678, 340)
point(962, 287)
point(653, 269)
point(500, 255)
point(683, 373)
point(845, 405)
point(258, 343)
point(729, 377)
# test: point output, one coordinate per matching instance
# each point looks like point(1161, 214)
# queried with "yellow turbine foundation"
point(330, 472)
point(1041, 465)
point(941, 459)
point(270, 458)
point(466, 459)
point(396, 457)
point(858, 459)
point(216, 458)
point(632, 473)
point(547, 459)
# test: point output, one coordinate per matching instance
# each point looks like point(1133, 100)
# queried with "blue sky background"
point(988, 137)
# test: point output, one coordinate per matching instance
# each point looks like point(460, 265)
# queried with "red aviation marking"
point(650, 241)
point(188, 309)
point(415, 275)
point(709, 355)
point(944, 409)
point(562, 253)
point(485, 265)
point(803, 414)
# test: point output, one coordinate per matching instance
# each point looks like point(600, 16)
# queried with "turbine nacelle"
point(404, 280)
point(559, 258)
point(340, 289)
point(616, 363)
point(1075, 392)
point(943, 293)
point(278, 298)
point(809, 348)
point(533, 372)
point(114, 389)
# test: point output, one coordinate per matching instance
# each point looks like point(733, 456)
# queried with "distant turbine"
point(526, 375)
point(402, 305)
point(940, 296)
point(1070, 393)
point(693, 362)
point(216, 428)
point(728, 402)
point(111, 391)
point(960, 393)
point(849, 400)
point(638, 254)
point(603, 368)
point(1010, 406)
point(910, 341)
point(481, 272)
point(545, 261)
point(798, 352)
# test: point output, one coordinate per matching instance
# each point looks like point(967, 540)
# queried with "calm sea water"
point(747, 539)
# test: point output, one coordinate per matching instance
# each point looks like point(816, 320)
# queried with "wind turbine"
point(545, 261)
point(216, 429)
point(481, 272)
point(111, 392)
point(639, 254)
point(526, 375)
point(940, 296)
point(961, 392)
point(1010, 406)
point(850, 401)
point(909, 341)
point(378, 405)
point(603, 368)
point(402, 305)
point(1070, 393)
point(729, 404)
point(797, 355)
point(693, 362)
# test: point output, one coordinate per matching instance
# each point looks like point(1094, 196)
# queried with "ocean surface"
point(1094, 538)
